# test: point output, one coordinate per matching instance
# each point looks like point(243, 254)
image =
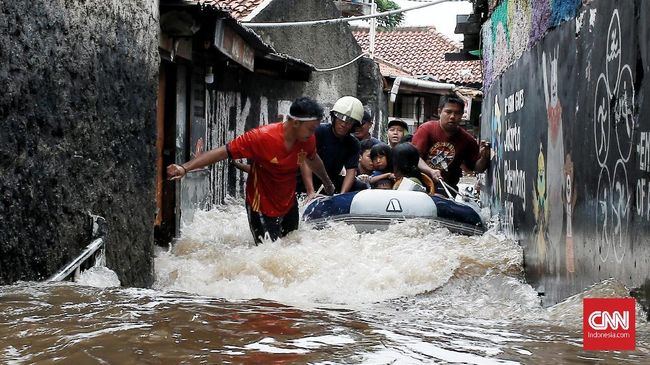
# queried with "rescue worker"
point(337, 148)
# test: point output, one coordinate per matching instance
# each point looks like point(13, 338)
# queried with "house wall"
point(323, 46)
point(370, 90)
point(240, 100)
point(237, 101)
point(570, 131)
point(77, 108)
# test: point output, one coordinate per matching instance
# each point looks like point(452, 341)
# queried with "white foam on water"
point(99, 277)
point(216, 256)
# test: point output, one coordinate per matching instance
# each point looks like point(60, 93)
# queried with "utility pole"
point(373, 25)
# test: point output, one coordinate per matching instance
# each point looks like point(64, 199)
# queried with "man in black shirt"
point(337, 147)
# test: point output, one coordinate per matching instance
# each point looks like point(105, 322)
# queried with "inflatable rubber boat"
point(375, 209)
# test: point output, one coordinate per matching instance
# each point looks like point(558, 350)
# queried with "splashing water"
point(414, 294)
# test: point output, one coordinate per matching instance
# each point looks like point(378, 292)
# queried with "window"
point(409, 107)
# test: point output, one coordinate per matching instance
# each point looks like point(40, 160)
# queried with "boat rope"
point(448, 187)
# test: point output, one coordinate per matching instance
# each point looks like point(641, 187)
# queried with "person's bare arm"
point(241, 166)
point(307, 178)
point(205, 159)
point(348, 180)
point(374, 179)
point(316, 165)
point(433, 173)
point(484, 161)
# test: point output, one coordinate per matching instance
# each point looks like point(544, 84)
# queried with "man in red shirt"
point(445, 146)
point(277, 150)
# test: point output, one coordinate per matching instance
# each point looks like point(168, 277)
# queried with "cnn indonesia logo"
point(608, 324)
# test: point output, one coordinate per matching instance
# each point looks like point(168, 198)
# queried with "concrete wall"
point(239, 100)
point(77, 110)
point(570, 128)
point(323, 46)
point(370, 90)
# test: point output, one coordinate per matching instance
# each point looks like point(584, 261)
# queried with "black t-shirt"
point(336, 153)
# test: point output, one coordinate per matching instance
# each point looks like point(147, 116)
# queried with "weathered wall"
point(323, 46)
point(569, 123)
point(514, 27)
point(370, 90)
point(236, 102)
point(239, 100)
point(77, 107)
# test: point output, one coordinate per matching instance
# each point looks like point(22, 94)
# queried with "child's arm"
point(388, 175)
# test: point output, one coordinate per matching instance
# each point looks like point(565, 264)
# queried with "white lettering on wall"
point(515, 181)
point(514, 102)
point(509, 219)
point(513, 139)
point(643, 198)
point(643, 149)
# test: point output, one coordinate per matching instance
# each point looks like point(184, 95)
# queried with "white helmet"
point(349, 109)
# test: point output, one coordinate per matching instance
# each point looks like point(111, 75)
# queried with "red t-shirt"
point(271, 184)
point(446, 153)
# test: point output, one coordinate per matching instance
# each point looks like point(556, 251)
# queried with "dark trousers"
point(263, 226)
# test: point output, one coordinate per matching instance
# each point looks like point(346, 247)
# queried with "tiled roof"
point(389, 69)
point(422, 50)
point(239, 9)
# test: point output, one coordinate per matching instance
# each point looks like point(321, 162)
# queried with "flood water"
point(414, 294)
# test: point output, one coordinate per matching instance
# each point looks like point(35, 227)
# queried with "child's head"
point(380, 154)
point(397, 129)
point(365, 162)
point(405, 160)
point(386, 184)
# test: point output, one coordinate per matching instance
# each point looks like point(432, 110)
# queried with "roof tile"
point(238, 8)
point(422, 51)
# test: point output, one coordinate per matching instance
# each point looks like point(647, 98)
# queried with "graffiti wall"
point(235, 103)
point(515, 26)
point(570, 128)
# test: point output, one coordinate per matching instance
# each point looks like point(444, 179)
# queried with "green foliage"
point(390, 21)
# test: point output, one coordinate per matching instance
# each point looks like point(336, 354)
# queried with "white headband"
point(303, 119)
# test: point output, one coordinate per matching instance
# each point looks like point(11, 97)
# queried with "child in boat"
point(405, 162)
point(382, 176)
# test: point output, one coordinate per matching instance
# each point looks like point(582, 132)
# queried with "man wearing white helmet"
point(337, 147)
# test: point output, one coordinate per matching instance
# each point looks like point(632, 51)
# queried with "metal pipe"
point(373, 31)
point(95, 248)
point(74, 265)
point(430, 85)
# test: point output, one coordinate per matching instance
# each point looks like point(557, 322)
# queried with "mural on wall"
point(613, 106)
point(540, 208)
point(554, 153)
point(228, 116)
point(569, 201)
point(584, 216)
point(643, 183)
point(515, 26)
point(497, 151)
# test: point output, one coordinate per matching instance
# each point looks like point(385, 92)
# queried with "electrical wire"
point(340, 66)
point(339, 20)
